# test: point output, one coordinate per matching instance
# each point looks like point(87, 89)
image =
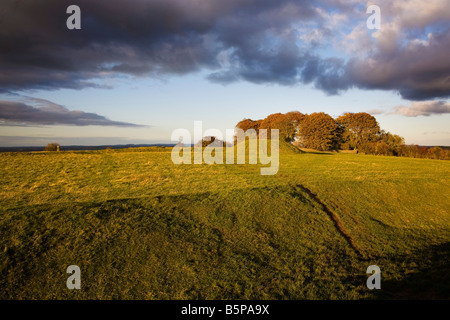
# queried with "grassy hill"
point(140, 227)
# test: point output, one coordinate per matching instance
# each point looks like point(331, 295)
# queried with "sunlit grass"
point(141, 227)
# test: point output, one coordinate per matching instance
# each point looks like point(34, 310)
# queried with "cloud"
point(44, 112)
point(152, 38)
point(447, 133)
point(375, 111)
point(408, 54)
point(422, 108)
point(259, 41)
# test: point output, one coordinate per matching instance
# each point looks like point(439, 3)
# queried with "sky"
point(139, 69)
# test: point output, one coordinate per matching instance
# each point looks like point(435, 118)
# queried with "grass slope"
point(141, 227)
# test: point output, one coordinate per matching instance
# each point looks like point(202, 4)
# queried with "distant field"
point(141, 227)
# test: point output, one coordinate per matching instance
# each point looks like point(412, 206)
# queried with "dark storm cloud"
point(47, 113)
point(149, 38)
point(417, 72)
point(249, 40)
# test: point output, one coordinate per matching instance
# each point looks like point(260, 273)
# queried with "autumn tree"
point(247, 124)
point(295, 117)
point(319, 131)
point(393, 141)
point(358, 129)
point(273, 121)
point(287, 124)
point(436, 153)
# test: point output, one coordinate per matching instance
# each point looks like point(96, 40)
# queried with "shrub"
point(52, 147)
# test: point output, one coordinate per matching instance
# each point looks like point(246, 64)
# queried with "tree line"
point(351, 131)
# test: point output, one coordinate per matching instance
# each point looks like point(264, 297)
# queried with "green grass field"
point(140, 227)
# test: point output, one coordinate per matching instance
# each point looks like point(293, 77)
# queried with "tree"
point(319, 131)
point(295, 117)
point(52, 147)
point(211, 140)
point(271, 120)
point(274, 121)
point(435, 153)
point(247, 124)
point(358, 129)
point(382, 148)
point(409, 151)
point(287, 124)
point(393, 141)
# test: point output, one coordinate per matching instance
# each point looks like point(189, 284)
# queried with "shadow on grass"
point(430, 280)
point(319, 153)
